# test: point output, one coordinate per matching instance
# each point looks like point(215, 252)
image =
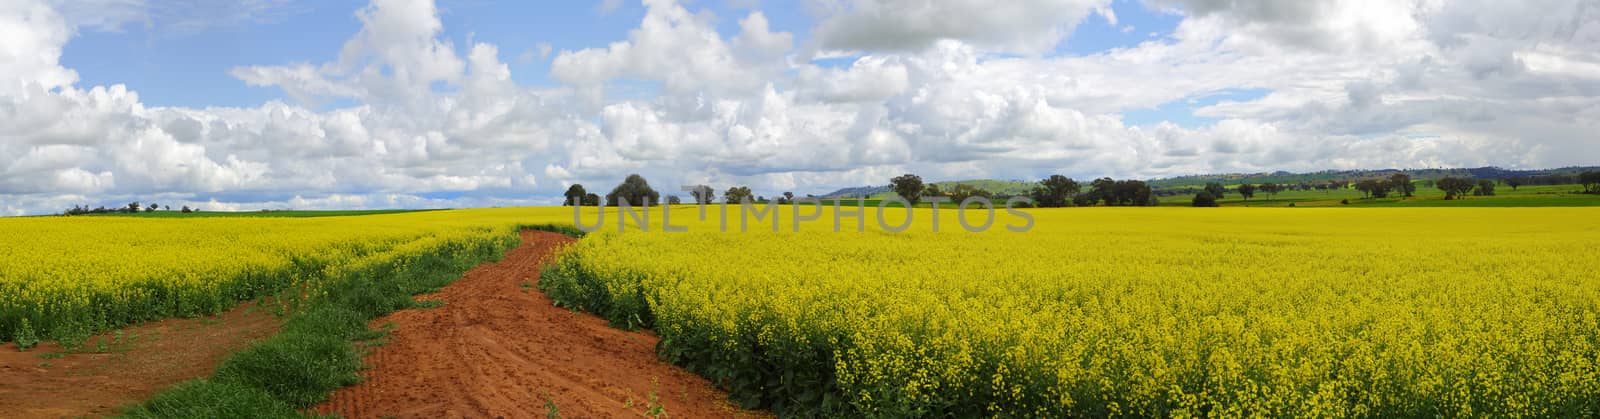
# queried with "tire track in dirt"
point(500, 348)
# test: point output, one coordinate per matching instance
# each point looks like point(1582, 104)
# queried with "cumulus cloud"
point(949, 90)
point(682, 51)
point(1020, 26)
point(30, 54)
point(404, 138)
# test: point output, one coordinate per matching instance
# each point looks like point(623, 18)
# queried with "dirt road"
point(500, 348)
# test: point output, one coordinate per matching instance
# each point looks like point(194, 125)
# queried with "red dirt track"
point(500, 348)
point(135, 363)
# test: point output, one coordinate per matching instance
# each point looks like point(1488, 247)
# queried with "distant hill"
point(1018, 187)
point(1329, 175)
point(1004, 187)
point(857, 192)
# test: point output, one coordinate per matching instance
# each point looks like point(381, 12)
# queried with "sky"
point(335, 104)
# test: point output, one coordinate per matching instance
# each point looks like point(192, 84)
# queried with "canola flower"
point(67, 277)
point(1180, 312)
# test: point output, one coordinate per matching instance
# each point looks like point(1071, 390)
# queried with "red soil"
point(500, 348)
point(128, 368)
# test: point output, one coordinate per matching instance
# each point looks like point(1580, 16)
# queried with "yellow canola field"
point(1220, 312)
point(65, 277)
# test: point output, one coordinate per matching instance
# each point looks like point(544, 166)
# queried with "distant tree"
point(737, 194)
point(1129, 192)
point(1401, 183)
point(1374, 188)
point(1590, 181)
point(1485, 188)
point(1204, 199)
point(1103, 189)
point(1247, 191)
point(574, 195)
point(1054, 191)
point(1454, 187)
point(932, 190)
point(133, 206)
point(1084, 200)
point(788, 197)
point(908, 186)
point(152, 208)
point(635, 190)
point(674, 200)
point(1514, 183)
point(963, 191)
point(1366, 187)
point(702, 194)
point(1217, 190)
point(1271, 189)
point(186, 209)
point(592, 200)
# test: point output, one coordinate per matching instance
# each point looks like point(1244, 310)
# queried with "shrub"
point(25, 337)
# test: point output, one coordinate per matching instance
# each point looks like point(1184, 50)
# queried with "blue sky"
point(452, 103)
point(189, 68)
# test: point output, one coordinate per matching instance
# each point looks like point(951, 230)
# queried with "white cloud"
point(31, 50)
point(926, 87)
point(1031, 26)
point(682, 51)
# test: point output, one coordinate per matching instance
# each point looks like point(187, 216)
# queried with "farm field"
point(1126, 311)
point(1525, 196)
point(73, 276)
point(1095, 311)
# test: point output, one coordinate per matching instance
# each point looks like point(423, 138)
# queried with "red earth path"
point(500, 348)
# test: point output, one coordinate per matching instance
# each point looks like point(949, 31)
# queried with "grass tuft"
point(212, 399)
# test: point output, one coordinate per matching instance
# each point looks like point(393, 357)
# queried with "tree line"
point(1050, 192)
point(1061, 191)
point(636, 191)
point(131, 208)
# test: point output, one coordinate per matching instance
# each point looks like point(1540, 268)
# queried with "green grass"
point(1526, 196)
point(212, 399)
point(262, 214)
